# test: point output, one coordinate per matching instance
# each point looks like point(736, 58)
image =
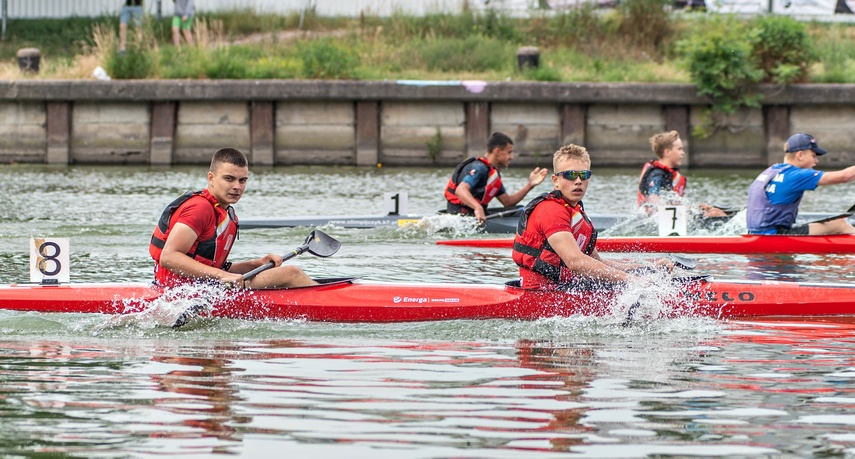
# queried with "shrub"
point(138, 61)
point(324, 58)
point(782, 49)
point(722, 64)
point(225, 63)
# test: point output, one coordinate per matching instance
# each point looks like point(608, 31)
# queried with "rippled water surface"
point(76, 385)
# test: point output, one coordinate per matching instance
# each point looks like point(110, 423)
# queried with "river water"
point(75, 385)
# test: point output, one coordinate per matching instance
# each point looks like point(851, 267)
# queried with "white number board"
point(395, 203)
point(672, 220)
point(49, 259)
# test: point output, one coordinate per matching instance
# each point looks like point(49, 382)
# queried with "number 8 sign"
point(49, 260)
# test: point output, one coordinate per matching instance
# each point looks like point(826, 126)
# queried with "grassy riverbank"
point(636, 42)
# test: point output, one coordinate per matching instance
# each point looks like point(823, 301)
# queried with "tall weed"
point(646, 24)
point(473, 53)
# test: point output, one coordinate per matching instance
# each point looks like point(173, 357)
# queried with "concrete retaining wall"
point(400, 123)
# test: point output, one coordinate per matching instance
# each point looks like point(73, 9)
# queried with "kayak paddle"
point(849, 212)
point(682, 261)
point(317, 243)
point(504, 213)
point(679, 261)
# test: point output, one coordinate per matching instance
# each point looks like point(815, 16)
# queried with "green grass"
point(633, 43)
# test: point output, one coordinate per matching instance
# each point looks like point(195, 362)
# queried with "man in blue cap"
point(774, 196)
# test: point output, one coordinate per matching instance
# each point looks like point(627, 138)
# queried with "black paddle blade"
point(187, 315)
point(321, 244)
point(684, 262)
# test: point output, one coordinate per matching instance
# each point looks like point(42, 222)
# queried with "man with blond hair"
point(556, 244)
point(662, 175)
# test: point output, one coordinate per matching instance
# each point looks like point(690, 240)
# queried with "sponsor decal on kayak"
point(363, 222)
point(743, 297)
point(423, 300)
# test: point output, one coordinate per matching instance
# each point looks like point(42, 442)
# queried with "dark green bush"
point(138, 61)
point(722, 65)
point(782, 49)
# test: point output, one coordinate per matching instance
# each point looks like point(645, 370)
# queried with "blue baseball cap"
point(800, 142)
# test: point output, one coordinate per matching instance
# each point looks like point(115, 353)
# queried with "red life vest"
point(678, 180)
point(212, 252)
point(491, 188)
point(532, 250)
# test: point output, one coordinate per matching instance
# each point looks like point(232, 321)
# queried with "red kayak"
point(744, 244)
point(346, 300)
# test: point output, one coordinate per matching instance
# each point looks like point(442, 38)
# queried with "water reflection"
point(781, 267)
point(749, 388)
point(208, 395)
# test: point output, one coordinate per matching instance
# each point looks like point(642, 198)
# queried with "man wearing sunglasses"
point(476, 181)
point(661, 176)
point(556, 244)
point(774, 196)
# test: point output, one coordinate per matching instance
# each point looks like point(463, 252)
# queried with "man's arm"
point(174, 257)
point(464, 193)
point(535, 178)
point(565, 246)
point(835, 177)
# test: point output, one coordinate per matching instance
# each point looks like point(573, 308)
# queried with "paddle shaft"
point(504, 213)
point(849, 212)
point(270, 264)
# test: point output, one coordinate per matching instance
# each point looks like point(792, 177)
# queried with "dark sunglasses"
point(573, 175)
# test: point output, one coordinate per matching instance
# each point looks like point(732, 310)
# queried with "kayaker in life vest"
point(661, 181)
point(774, 196)
point(555, 243)
point(195, 234)
point(476, 181)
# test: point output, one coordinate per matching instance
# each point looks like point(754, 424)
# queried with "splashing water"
point(200, 298)
point(443, 225)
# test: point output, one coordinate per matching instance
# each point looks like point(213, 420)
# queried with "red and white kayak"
point(346, 300)
point(743, 244)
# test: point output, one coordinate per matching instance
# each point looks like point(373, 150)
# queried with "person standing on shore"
point(182, 21)
point(132, 10)
point(662, 175)
point(774, 196)
point(476, 181)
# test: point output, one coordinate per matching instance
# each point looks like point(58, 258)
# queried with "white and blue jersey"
point(775, 195)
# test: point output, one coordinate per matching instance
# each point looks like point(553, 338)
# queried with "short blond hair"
point(569, 152)
point(663, 141)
